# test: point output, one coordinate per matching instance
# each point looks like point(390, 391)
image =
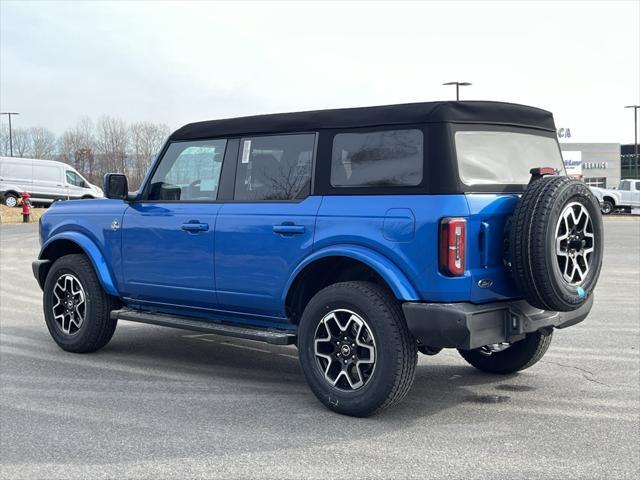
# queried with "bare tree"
point(4, 140)
point(43, 142)
point(146, 140)
point(111, 144)
point(77, 146)
point(21, 143)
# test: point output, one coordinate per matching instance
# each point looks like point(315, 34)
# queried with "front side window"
point(377, 159)
point(625, 185)
point(488, 157)
point(276, 167)
point(188, 171)
point(74, 179)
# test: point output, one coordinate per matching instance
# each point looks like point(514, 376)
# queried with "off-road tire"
point(98, 327)
point(532, 238)
point(520, 355)
point(396, 349)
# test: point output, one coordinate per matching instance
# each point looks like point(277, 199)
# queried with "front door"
point(168, 234)
point(267, 230)
point(635, 195)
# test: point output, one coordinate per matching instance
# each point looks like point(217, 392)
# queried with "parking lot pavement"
point(164, 403)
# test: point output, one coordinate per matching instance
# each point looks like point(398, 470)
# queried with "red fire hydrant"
point(26, 206)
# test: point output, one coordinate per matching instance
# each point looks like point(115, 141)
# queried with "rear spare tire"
point(555, 243)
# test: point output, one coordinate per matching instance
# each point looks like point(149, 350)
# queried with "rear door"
point(16, 173)
point(168, 235)
point(492, 160)
point(268, 226)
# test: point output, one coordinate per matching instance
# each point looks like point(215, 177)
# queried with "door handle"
point(194, 227)
point(288, 229)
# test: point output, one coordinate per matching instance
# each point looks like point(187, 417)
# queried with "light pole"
point(635, 134)
point(458, 85)
point(10, 135)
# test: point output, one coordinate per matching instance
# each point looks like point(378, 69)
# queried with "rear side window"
point(492, 157)
point(377, 159)
point(276, 167)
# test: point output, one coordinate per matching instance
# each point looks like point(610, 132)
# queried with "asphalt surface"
point(163, 403)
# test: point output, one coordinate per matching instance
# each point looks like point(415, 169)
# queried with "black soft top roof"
point(498, 113)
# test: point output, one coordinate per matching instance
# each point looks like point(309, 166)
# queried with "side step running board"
point(275, 337)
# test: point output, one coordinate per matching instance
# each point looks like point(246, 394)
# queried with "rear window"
point(486, 157)
point(377, 159)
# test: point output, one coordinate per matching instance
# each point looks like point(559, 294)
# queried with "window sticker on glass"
point(246, 150)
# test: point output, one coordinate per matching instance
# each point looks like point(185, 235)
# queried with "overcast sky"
point(181, 62)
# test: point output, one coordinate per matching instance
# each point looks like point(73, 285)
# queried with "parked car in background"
point(625, 197)
point(45, 180)
point(363, 236)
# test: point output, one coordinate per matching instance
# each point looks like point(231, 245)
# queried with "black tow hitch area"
point(539, 172)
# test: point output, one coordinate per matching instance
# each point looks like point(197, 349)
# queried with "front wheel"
point(76, 308)
point(518, 356)
point(606, 207)
point(355, 349)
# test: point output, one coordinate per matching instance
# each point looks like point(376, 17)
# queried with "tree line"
point(92, 148)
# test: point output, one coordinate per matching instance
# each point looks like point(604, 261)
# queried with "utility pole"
point(635, 133)
point(10, 134)
point(458, 85)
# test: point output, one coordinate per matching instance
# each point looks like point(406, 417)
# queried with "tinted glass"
point(504, 157)
point(46, 173)
point(625, 185)
point(638, 186)
point(377, 159)
point(188, 171)
point(275, 167)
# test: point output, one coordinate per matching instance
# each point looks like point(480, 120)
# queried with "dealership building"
point(599, 164)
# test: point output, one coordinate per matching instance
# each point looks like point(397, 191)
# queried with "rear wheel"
point(10, 200)
point(355, 349)
point(76, 308)
point(518, 356)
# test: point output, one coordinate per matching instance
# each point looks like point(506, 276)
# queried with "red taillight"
point(453, 237)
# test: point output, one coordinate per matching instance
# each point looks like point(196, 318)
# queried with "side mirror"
point(116, 186)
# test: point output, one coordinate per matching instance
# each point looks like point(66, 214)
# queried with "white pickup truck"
point(625, 197)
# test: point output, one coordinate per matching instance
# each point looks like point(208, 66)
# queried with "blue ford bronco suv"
point(363, 236)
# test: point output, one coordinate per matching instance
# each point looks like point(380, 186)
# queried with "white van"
point(45, 180)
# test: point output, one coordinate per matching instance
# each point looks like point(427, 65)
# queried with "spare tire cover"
point(555, 243)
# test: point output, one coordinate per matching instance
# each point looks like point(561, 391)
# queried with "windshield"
point(486, 157)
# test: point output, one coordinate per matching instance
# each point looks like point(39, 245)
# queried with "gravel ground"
point(163, 403)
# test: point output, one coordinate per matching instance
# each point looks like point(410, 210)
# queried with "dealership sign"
point(564, 133)
point(572, 162)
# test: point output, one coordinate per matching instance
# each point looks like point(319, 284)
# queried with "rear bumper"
point(468, 326)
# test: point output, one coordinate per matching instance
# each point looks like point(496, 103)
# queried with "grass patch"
point(14, 215)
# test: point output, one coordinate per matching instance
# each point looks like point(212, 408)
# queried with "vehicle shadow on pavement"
point(211, 362)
